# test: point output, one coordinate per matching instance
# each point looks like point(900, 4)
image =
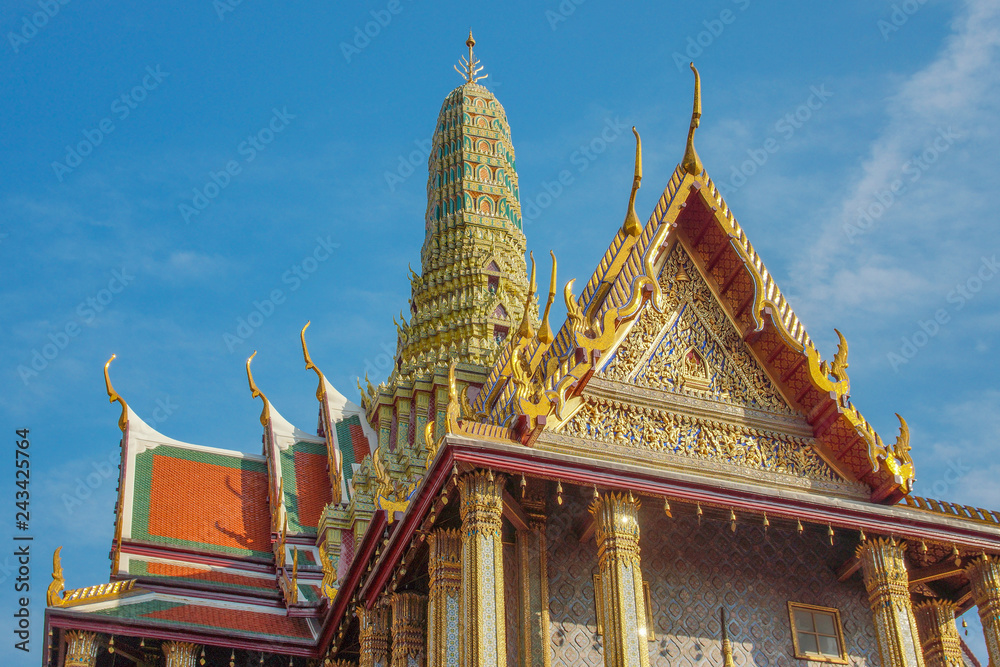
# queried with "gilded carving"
point(374, 635)
point(887, 583)
point(939, 638)
point(409, 612)
point(81, 648)
point(443, 621)
point(692, 347)
point(649, 428)
point(984, 574)
point(181, 654)
point(621, 596)
point(483, 641)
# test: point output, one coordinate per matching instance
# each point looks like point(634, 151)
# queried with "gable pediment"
point(691, 347)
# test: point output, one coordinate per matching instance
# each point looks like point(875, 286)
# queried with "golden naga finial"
point(321, 390)
point(329, 584)
point(573, 310)
point(692, 163)
point(113, 396)
point(429, 444)
point(545, 331)
point(839, 367)
point(632, 226)
point(453, 411)
point(265, 414)
point(54, 597)
point(524, 331)
point(470, 67)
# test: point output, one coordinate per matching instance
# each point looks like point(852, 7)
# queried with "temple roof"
point(192, 497)
point(538, 377)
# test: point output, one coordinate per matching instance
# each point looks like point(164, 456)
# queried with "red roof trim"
point(362, 555)
point(68, 621)
point(156, 550)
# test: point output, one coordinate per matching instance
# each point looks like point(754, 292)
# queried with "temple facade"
point(671, 477)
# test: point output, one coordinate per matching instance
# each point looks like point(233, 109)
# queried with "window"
point(816, 633)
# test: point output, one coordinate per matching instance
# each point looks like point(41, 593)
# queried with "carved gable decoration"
point(664, 437)
point(692, 347)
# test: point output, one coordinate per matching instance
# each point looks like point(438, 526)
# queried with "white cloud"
point(927, 231)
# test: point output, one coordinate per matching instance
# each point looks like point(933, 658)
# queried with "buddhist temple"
point(671, 476)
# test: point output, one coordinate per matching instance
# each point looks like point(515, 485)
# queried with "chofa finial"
point(113, 396)
point(692, 163)
point(265, 414)
point(470, 67)
point(632, 226)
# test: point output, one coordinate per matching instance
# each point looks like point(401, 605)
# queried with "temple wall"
point(692, 571)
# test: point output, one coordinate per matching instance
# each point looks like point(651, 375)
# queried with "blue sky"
point(857, 143)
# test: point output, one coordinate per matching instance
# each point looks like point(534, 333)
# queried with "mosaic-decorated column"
point(616, 528)
point(938, 634)
point(409, 643)
point(534, 581)
point(984, 573)
point(385, 428)
point(403, 423)
point(444, 600)
point(421, 411)
point(483, 640)
point(181, 654)
point(440, 408)
point(81, 649)
point(888, 587)
point(374, 636)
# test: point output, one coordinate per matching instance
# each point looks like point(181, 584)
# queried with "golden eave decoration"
point(265, 414)
point(691, 162)
point(113, 396)
point(336, 474)
point(58, 596)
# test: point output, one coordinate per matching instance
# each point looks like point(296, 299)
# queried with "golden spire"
point(321, 391)
point(632, 227)
point(113, 396)
point(545, 331)
point(692, 163)
point(470, 67)
point(265, 414)
point(727, 646)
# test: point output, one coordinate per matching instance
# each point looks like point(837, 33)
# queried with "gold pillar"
point(984, 574)
point(534, 581)
point(81, 649)
point(409, 613)
point(888, 587)
point(181, 654)
point(443, 620)
point(623, 603)
point(938, 633)
point(374, 636)
point(483, 640)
